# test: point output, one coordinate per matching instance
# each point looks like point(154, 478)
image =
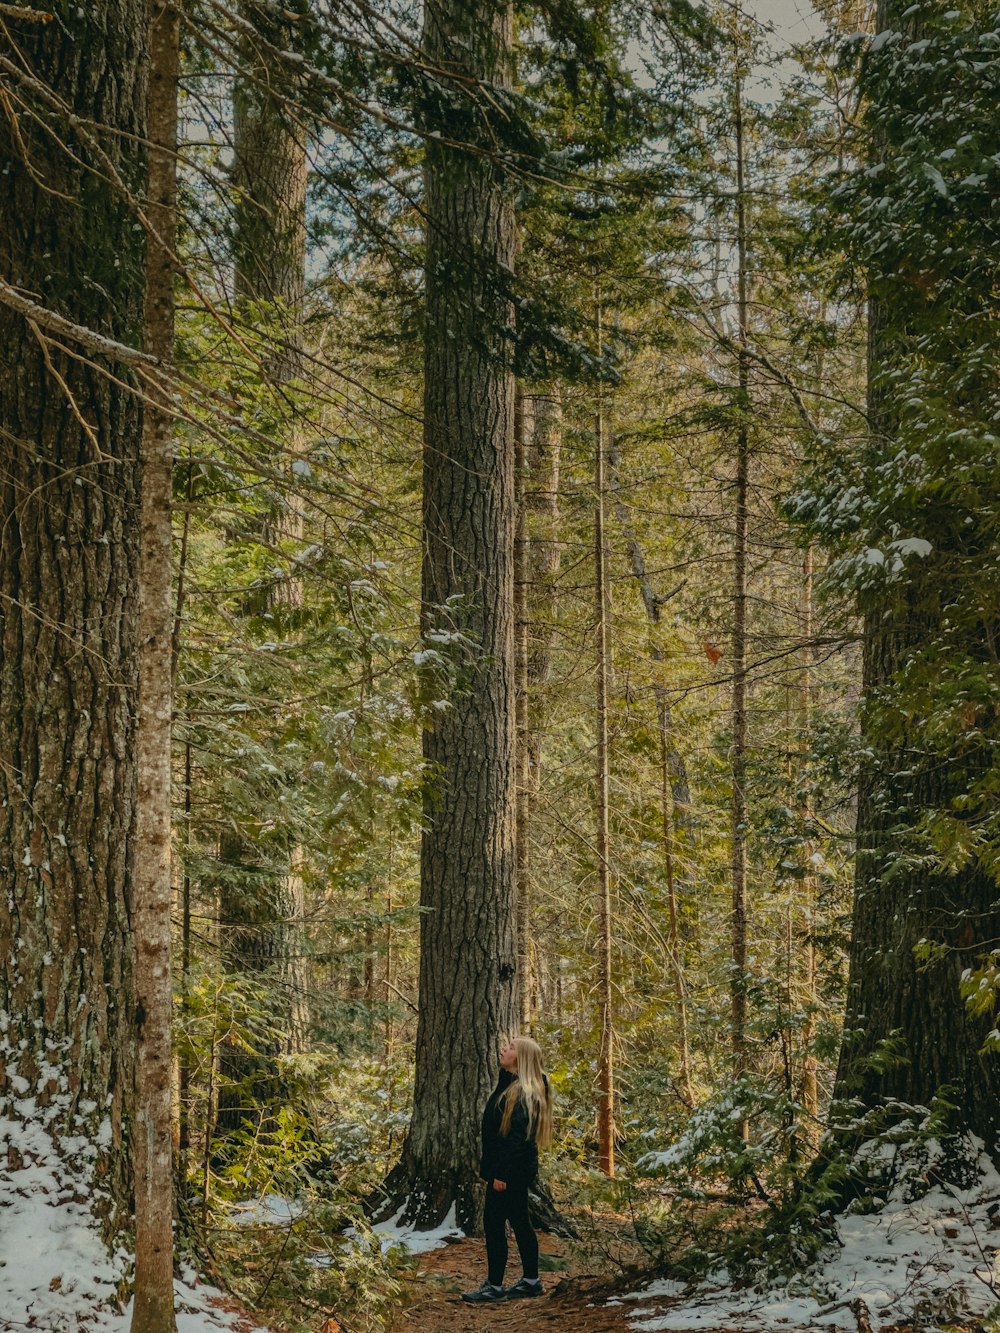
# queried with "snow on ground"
point(934, 1257)
point(270, 1210)
point(56, 1274)
point(392, 1233)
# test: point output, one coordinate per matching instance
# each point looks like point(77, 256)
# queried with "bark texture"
point(153, 1306)
point(898, 902)
point(893, 997)
point(270, 173)
point(69, 449)
point(468, 962)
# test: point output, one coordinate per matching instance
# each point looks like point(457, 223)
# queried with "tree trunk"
point(673, 776)
point(738, 986)
point(810, 1088)
point(605, 993)
point(270, 173)
point(537, 566)
point(892, 996)
point(153, 1307)
point(69, 518)
point(468, 958)
point(522, 426)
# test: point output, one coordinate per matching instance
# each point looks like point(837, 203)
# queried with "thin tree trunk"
point(468, 946)
point(153, 1307)
point(673, 774)
point(523, 425)
point(537, 559)
point(605, 1060)
point(810, 1091)
point(184, 1071)
point(536, 550)
point(262, 911)
point(738, 994)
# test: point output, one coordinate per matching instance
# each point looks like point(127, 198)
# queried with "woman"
point(516, 1123)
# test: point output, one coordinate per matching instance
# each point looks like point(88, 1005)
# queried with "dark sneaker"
point(526, 1287)
point(485, 1294)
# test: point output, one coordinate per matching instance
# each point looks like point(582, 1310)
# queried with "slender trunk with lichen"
point(604, 987)
point(738, 706)
point(810, 1066)
point(536, 546)
point(153, 1305)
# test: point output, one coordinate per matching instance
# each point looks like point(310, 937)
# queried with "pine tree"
point(927, 905)
point(69, 509)
point(468, 959)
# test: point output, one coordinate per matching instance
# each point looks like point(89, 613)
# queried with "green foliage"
point(767, 1214)
point(914, 523)
point(283, 1224)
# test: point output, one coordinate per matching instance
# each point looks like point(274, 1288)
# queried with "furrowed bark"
point(69, 513)
point(468, 959)
point(893, 996)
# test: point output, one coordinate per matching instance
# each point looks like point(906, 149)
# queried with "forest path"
point(575, 1301)
point(569, 1301)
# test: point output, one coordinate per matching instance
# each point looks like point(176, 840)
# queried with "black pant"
point(503, 1206)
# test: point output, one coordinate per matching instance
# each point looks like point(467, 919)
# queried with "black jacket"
point(513, 1157)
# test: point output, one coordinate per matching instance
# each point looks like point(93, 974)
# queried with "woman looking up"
point(516, 1123)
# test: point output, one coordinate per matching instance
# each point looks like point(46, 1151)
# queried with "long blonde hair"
point(532, 1087)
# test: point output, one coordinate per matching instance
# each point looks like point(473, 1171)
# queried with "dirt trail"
point(568, 1303)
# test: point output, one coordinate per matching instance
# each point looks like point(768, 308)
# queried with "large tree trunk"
point(270, 174)
point(69, 514)
point(468, 960)
point(153, 1307)
point(892, 996)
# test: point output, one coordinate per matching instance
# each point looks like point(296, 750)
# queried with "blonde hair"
point(532, 1087)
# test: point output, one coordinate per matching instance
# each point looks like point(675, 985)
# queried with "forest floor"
point(915, 1265)
point(573, 1298)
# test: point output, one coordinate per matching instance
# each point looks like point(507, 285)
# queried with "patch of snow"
point(270, 1210)
point(664, 1286)
point(56, 1273)
point(391, 1233)
point(939, 1253)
